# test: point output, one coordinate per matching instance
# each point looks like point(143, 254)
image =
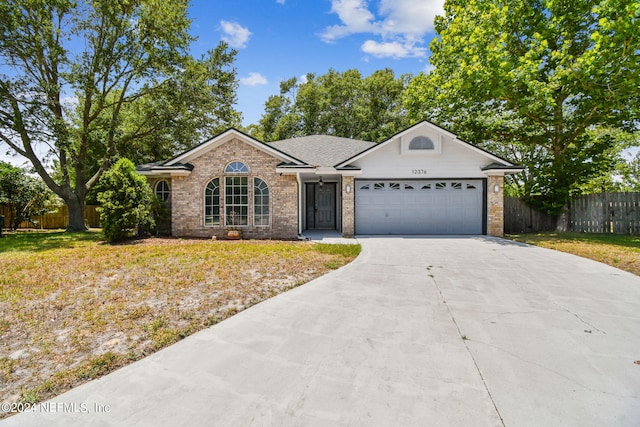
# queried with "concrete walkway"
point(417, 331)
point(328, 237)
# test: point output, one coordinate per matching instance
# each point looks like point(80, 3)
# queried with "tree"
point(25, 196)
point(631, 173)
point(186, 108)
point(275, 123)
point(90, 81)
point(382, 105)
point(618, 177)
point(537, 77)
point(126, 201)
point(341, 104)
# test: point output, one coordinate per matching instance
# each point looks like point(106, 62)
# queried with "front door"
point(321, 206)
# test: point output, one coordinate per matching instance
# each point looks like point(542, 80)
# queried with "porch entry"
point(321, 206)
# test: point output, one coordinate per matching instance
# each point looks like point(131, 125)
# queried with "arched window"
point(236, 200)
point(236, 167)
point(421, 143)
point(162, 190)
point(227, 199)
point(260, 202)
point(212, 203)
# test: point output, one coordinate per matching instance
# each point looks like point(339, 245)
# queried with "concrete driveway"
point(444, 331)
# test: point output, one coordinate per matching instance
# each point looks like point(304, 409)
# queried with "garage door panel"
point(419, 207)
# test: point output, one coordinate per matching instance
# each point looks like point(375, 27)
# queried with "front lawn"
point(73, 308)
point(620, 251)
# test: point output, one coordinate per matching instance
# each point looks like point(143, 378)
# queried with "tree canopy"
point(542, 81)
point(86, 82)
point(342, 104)
point(25, 196)
point(629, 173)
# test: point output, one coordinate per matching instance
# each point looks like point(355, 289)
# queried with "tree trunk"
point(76, 214)
point(563, 219)
point(14, 218)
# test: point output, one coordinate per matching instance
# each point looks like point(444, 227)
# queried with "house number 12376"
point(419, 171)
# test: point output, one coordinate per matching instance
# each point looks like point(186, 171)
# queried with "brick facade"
point(187, 194)
point(193, 170)
point(348, 207)
point(495, 206)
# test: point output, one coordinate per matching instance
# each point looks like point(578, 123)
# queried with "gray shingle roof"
point(160, 166)
point(322, 150)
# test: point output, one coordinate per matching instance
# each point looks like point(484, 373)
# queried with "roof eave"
point(225, 137)
point(293, 170)
point(349, 171)
point(164, 173)
point(502, 170)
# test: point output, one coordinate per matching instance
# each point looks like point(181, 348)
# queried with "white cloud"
point(280, 1)
point(428, 68)
point(393, 49)
point(410, 17)
point(254, 79)
point(235, 34)
point(303, 79)
point(355, 16)
point(70, 102)
point(400, 24)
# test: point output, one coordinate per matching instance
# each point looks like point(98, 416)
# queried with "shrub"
point(162, 218)
point(125, 202)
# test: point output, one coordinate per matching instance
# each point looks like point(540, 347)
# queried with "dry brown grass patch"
point(620, 251)
point(75, 311)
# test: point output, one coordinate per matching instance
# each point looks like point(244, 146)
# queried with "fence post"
point(617, 213)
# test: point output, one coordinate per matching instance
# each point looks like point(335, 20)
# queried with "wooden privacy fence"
point(521, 218)
point(52, 220)
point(613, 213)
point(616, 213)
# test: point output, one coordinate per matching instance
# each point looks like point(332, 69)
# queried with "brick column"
point(495, 206)
point(348, 207)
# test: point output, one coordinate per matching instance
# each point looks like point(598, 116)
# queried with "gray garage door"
point(419, 207)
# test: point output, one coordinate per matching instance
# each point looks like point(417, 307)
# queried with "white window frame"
point(262, 202)
point(161, 193)
point(236, 201)
point(213, 222)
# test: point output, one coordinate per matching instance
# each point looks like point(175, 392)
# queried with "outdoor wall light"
point(348, 188)
point(496, 188)
point(321, 183)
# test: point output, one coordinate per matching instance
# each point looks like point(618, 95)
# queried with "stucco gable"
point(438, 134)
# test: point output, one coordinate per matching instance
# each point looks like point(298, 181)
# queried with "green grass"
point(609, 239)
point(620, 251)
point(32, 241)
point(346, 250)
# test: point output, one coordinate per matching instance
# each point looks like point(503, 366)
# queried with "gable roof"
point(496, 159)
point(227, 136)
point(322, 150)
point(310, 151)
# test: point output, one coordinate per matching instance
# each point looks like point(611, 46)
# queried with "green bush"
point(126, 202)
point(162, 218)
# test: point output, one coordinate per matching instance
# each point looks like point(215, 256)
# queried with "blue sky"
point(279, 39)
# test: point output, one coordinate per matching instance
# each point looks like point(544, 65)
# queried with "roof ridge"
point(320, 135)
